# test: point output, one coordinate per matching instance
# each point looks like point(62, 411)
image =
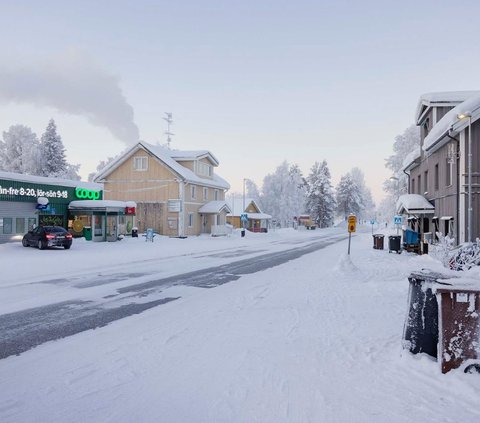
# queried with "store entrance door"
point(112, 228)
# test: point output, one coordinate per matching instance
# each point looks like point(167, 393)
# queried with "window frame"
point(143, 160)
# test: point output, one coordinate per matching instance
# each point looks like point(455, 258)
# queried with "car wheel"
point(67, 247)
point(24, 242)
point(41, 245)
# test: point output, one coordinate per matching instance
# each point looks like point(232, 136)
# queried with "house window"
point(436, 177)
point(413, 186)
point(140, 163)
point(190, 220)
point(449, 173)
point(217, 219)
point(205, 193)
point(204, 169)
point(425, 181)
point(419, 184)
point(216, 195)
point(192, 191)
point(426, 126)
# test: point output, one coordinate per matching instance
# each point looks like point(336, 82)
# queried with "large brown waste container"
point(378, 241)
point(459, 315)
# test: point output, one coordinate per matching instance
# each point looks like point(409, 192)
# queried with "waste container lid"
point(378, 235)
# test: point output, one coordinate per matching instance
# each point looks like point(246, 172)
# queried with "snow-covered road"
point(317, 339)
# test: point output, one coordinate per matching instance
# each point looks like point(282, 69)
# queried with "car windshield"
point(54, 229)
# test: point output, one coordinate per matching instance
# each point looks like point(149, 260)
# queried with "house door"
point(205, 228)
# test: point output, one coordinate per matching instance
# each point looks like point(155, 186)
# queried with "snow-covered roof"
point(11, 176)
point(411, 159)
point(451, 124)
point(168, 157)
point(236, 205)
point(193, 155)
point(100, 204)
point(447, 98)
point(414, 204)
point(214, 207)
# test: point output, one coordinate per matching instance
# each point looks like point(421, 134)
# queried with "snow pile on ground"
point(317, 339)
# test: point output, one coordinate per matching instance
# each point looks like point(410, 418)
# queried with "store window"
point(20, 225)
point(7, 225)
point(32, 222)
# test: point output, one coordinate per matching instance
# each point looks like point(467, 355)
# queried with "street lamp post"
point(469, 175)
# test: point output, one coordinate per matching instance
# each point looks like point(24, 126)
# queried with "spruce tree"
point(349, 199)
point(320, 199)
point(52, 151)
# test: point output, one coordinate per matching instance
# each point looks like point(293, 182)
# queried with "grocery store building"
point(27, 201)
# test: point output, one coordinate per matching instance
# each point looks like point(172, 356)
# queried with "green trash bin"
point(87, 233)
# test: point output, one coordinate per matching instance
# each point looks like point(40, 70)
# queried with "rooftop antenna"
point(167, 132)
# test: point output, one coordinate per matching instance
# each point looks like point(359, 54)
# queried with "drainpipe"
point(457, 200)
point(408, 180)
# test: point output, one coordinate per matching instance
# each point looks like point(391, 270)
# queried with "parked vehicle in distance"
point(48, 236)
point(306, 220)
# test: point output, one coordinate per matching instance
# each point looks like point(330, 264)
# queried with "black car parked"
point(48, 236)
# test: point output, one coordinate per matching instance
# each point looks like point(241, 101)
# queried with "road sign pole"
point(349, 239)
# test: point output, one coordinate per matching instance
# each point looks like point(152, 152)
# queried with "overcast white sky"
point(254, 82)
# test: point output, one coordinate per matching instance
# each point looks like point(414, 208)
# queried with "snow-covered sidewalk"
point(317, 339)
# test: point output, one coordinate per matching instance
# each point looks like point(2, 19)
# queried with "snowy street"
point(314, 339)
point(140, 286)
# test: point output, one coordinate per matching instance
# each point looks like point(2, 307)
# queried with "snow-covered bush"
point(466, 256)
point(442, 251)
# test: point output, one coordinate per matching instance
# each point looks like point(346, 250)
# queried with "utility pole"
point(169, 121)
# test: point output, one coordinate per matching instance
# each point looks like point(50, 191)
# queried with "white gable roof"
point(167, 157)
point(236, 205)
point(414, 204)
point(450, 123)
point(448, 98)
point(214, 207)
point(193, 155)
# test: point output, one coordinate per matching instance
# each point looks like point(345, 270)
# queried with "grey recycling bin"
point(394, 243)
point(378, 241)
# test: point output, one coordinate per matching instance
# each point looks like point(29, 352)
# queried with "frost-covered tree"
point(403, 145)
point(100, 167)
point(283, 193)
point(251, 190)
point(52, 151)
point(19, 151)
point(348, 196)
point(368, 205)
point(319, 192)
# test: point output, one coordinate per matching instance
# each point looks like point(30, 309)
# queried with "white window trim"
point(141, 160)
point(205, 193)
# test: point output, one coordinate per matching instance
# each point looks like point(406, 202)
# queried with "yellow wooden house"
point(177, 192)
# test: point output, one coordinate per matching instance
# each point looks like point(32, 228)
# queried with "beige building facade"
point(177, 193)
